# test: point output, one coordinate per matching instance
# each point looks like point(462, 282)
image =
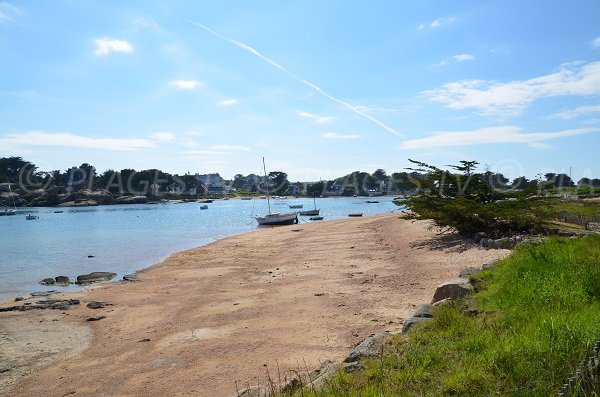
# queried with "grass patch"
point(538, 317)
point(576, 207)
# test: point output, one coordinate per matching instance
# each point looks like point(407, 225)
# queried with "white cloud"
point(512, 98)
point(65, 139)
point(335, 135)
point(463, 57)
point(596, 42)
point(437, 23)
point(163, 136)
point(8, 12)
point(230, 148)
point(316, 118)
point(578, 111)
point(106, 46)
point(490, 135)
point(186, 84)
point(229, 102)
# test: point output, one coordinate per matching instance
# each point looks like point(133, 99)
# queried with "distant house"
point(295, 189)
point(212, 182)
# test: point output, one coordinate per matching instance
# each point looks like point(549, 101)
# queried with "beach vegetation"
point(469, 202)
point(531, 321)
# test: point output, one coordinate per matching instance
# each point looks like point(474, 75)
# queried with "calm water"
point(126, 238)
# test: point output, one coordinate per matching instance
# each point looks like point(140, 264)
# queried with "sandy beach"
point(205, 319)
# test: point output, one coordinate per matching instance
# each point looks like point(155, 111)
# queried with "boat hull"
point(277, 219)
point(309, 213)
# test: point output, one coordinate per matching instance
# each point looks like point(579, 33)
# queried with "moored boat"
point(355, 214)
point(277, 219)
point(272, 219)
point(312, 212)
point(204, 207)
point(295, 205)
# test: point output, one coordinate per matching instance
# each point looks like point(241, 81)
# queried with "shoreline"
point(287, 295)
point(8, 296)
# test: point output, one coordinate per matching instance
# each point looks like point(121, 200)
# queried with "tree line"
point(153, 182)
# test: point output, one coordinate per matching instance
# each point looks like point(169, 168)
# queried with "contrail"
point(316, 88)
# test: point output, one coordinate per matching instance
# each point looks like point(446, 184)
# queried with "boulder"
point(47, 281)
point(424, 311)
point(490, 264)
point(410, 322)
point(468, 271)
point(370, 347)
point(43, 293)
point(131, 278)
point(96, 305)
point(454, 289)
point(478, 236)
point(486, 243)
point(63, 280)
point(95, 277)
point(443, 302)
point(505, 243)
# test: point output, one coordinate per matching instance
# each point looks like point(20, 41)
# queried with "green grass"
point(577, 207)
point(538, 316)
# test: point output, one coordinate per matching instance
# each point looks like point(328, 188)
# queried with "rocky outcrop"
point(455, 289)
point(97, 305)
point(468, 271)
point(412, 321)
point(62, 280)
point(53, 304)
point(95, 277)
point(47, 281)
point(424, 311)
point(131, 200)
point(501, 243)
point(132, 278)
point(370, 347)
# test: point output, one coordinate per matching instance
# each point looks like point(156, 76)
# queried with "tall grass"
point(535, 316)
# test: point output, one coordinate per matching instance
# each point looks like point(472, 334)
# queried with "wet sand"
point(212, 317)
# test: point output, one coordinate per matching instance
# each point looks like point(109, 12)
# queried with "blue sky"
point(320, 88)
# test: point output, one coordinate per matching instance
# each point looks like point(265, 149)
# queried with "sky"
point(319, 88)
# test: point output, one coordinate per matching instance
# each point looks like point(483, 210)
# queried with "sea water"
point(126, 238)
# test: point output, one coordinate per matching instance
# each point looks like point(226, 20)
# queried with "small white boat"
point(277, 219)
point(274, 218)
point(31, 217)
point(204, 207)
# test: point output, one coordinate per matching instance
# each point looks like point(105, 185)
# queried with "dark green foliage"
point(469, 203)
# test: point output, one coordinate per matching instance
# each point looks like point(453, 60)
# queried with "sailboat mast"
point(268, 190)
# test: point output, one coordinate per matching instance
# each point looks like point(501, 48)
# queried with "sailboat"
point(9, 211)
point(311, 212)
point(274, 218)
